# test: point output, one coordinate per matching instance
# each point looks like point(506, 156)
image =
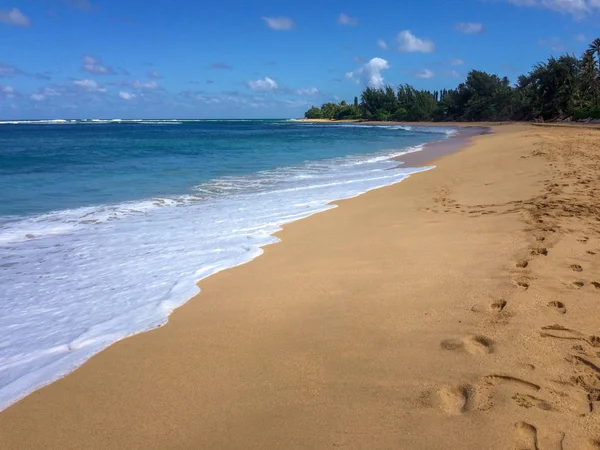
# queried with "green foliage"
point(313, 113)
point(560, 88)
point(591, 113)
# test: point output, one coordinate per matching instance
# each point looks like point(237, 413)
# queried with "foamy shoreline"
point(44, 361)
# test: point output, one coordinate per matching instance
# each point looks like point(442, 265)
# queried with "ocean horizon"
point(106, 226)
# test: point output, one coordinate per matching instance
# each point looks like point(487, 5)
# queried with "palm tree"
point(590, 82)
point(595, 48)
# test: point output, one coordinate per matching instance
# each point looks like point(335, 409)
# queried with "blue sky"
point(236, 59)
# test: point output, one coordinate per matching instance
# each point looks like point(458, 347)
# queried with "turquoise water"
point(106, 226)
point(49, 167)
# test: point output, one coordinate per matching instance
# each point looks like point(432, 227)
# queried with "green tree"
point(595, 48)
point(313, 113)
point(559, 88)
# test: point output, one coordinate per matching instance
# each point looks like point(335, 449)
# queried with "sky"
point(262, 59)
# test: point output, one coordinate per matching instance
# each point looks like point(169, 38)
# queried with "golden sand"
point(459, 309)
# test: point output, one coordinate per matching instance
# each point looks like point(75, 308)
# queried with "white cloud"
point(220, 65)
point(345, 19)
point(456, 62)
point(8, 70)
point(452, 73)
point(382, 44)
point(424, 74)
point(89, 85)
point(41, 96)
point(370, 73)
point(279, 23)
point(266, 84)
point(126, 95)
point(14, 17)
point(7, 91)
point(555, 44)
point(154, 74)
point(148, 85)
point(410, 43)
point(577, 8)
point(95, 66)
point(307, 91)
point(296, 103)
point(470, 27)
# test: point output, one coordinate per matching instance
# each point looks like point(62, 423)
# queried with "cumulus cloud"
point(95, 66)
point(145, 85)
point(345, 19)
point(89, 85)
point(7, 92)
point(14, 17)
point(408, 42)
point(279, 23)
point(44, 94)
point(424, 74)
point(220, 65)
point(452, 73)
point(6, 70)
point(555, 44)
point(266, 84)
point(10, 71)
point(470, 27)
point(370, 73)
point(456, 62)
point(126, 95)
point(307, 91)
point(382, 44)
point(576, 8)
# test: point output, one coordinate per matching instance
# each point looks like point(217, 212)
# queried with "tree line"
point(563, 88)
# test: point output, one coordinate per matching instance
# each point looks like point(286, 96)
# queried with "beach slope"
point(459, 309)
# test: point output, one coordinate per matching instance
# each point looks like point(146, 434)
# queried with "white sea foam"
point(73, 282)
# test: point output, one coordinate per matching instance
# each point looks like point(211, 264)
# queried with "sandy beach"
point(459, 309)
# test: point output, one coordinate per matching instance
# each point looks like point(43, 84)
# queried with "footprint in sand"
point(539, 251)
point(498, 305)
point(529, 401)
point(473, 344)
point(527, 438)
point(496, 379)
point(454, 400)
point(578, 284)
point(560, 332)
point(559, 307)
point(596, 284)
point(576, 268)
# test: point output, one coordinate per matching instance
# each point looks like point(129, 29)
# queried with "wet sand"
point(459, 309)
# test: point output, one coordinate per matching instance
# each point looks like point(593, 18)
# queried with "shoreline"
point(424, 334)
point(444, 147)
point(417, 161)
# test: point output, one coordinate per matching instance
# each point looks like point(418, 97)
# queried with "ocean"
point(106, 226)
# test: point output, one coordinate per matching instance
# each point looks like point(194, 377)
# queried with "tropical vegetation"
point(563, 88)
